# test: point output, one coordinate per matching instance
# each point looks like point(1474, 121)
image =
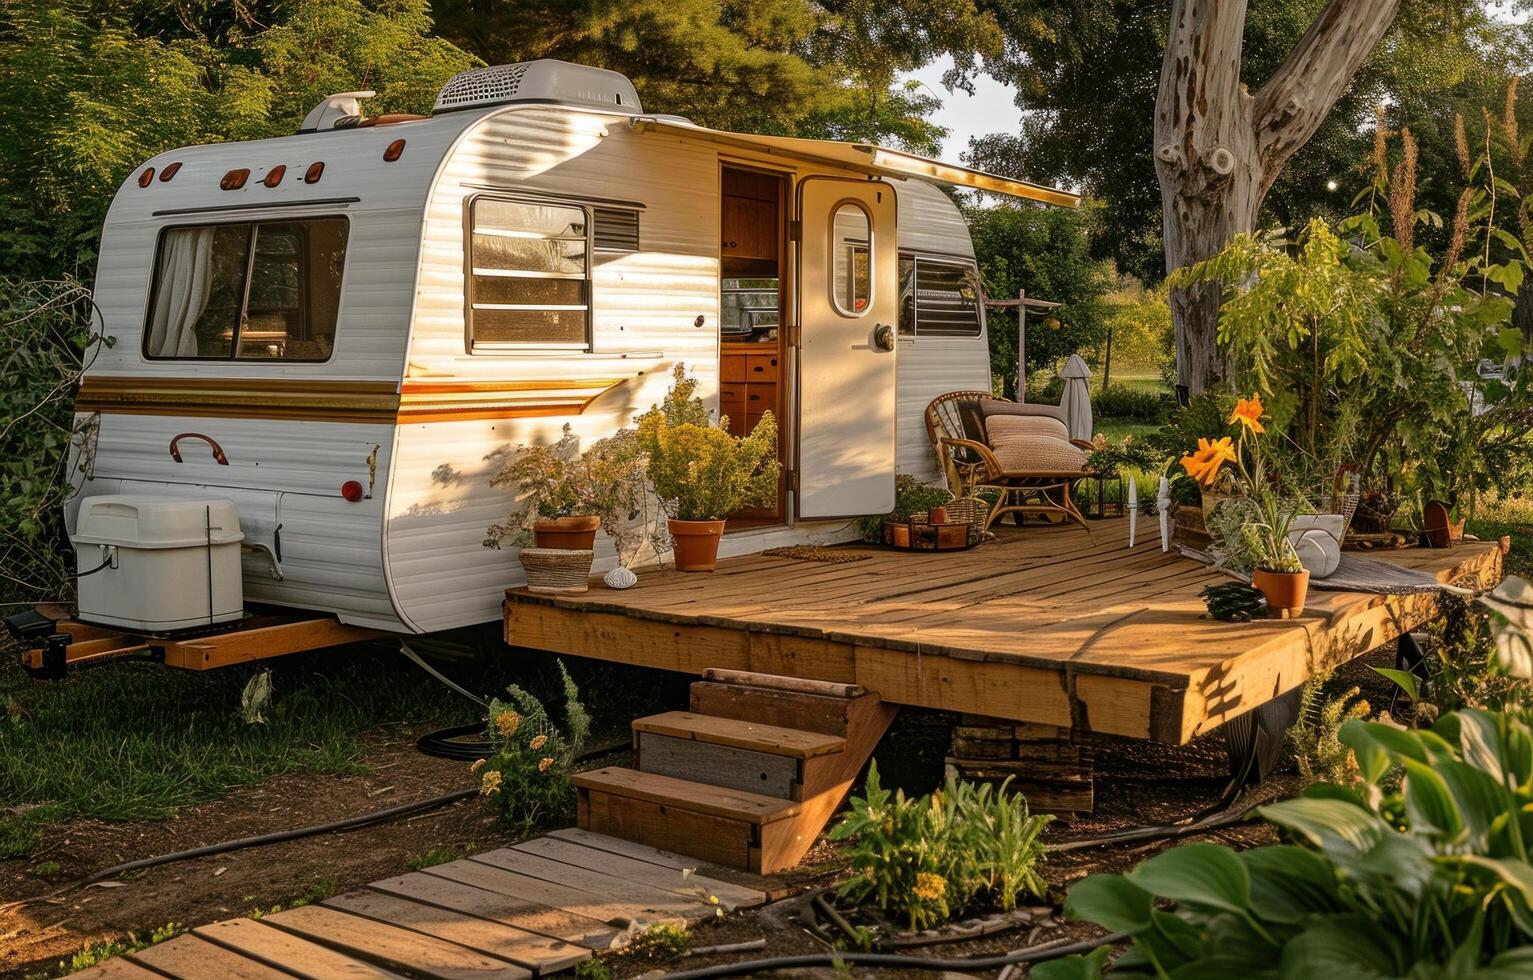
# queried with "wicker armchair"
point(955, 425)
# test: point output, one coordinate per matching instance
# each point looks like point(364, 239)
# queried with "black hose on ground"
point(1036, 954)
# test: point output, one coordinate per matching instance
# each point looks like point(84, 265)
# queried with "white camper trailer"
point(335, 329)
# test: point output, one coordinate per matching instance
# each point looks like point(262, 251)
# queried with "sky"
point(989, 110)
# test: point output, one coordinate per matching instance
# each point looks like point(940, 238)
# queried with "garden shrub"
point(911, 496)
point(1425, 875)
point(1133, 404)
point(928, 859)
point(1315, 737)
point(527, 776)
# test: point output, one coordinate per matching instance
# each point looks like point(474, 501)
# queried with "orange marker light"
point(315, 171)
point(234, 179)
point(274, 175)
point(171, 169)
point(395, 150)
point(145, 177)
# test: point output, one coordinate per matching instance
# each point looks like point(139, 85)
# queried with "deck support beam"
point(1053, 768)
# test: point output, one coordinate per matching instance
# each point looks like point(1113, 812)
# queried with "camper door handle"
point(883, 337)
point(218, 451)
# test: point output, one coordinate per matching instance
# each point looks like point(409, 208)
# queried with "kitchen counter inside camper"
point(1045, 625)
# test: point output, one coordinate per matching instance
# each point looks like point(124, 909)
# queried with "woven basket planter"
point(555, 571)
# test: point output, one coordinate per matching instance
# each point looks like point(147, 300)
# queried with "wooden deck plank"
point(190, 957)
point(679, 881)
point(394, 947)
point(523, 913)
point(574, 901)
point(539, 954)
point(284, 951)
point(654, 902)
point(1045, 625)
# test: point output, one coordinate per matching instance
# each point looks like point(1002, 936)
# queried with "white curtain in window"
point(185, 279)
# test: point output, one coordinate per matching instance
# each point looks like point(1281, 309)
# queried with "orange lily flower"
point(1204, 464)
point(1248, 412)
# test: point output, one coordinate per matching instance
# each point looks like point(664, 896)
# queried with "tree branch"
point(1295, 100)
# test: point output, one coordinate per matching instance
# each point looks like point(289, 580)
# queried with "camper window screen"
point(938, 299)
point(267, 290)
point(530, 284)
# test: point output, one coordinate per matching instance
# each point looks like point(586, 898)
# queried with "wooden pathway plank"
point(539, 954)
point(770, 888)
point(394, 947)
point(117, 968)
point(651, 901)
point(191, 957)
point(679, 881)
point(553, 895)
point(522, 913)
point(284, 951)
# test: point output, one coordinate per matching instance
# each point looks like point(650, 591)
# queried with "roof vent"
point(547, 81)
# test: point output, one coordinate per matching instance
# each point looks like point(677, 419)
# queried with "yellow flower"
point(490, 783)
point(478, 765)
point(929, 887)
point(1204, 464)
point(1248, 412)
point(544, 763)
point(507, 722)
point(538, 742)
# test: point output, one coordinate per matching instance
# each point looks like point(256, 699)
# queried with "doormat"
point(814, 552)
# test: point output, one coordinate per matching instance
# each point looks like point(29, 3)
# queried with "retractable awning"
point(864, 158)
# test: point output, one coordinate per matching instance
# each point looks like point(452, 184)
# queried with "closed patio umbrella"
point(1076, 401)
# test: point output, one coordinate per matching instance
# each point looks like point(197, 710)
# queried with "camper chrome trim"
point(323, 202)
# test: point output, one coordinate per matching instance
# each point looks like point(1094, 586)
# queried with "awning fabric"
point(872, 160)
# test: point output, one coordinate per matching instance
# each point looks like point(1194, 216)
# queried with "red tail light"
point(394, 151)
point(274, 175)
point(145, 177)
point(171, 169)
point(315, 171)
point(351, 490)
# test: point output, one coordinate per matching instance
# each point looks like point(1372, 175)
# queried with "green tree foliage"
point(94, 93)
point(771, 66)
point(1086, 73)
point(1046, 252)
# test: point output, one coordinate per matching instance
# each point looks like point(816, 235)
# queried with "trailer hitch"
point(37, 634)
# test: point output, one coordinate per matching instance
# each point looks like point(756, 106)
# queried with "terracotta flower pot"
point(1285, 591)
point(566, 533)
point(1438, 522)
point(697, 544)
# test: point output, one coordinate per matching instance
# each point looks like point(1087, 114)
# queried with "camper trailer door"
point(848, 298)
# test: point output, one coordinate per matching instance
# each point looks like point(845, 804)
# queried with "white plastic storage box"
point(165, 563)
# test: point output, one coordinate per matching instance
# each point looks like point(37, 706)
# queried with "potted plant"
point(1251, 527)
point(701, 473)
point(555, 502)
point(911, 497)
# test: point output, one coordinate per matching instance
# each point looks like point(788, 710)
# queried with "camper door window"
point(938, 298)
point(851, 284)
point(255, 290)
point(530, 275)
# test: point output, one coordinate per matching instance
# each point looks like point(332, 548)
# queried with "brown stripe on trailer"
point(367, 402)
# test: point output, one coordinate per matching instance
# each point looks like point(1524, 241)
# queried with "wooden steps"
point(747, 778)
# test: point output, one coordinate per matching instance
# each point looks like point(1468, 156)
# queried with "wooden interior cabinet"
point(748, 385)
point(750, 217)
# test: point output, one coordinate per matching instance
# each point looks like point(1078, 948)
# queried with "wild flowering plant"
point(928, 859)
point(527, 776)
point(550, 481)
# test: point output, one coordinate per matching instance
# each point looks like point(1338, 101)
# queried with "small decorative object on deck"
point(556, 571)
point(1108, 461)
point(1133, 510)
point(1437, 521)
point(702, 472)
point(926, 536)
point(1163, 511)
point(1234, 602)
point(620, 578)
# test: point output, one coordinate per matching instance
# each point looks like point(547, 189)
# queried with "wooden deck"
point(1045, 625)
point(533, 909)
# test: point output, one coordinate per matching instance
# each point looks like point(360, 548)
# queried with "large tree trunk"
point(1218, 148)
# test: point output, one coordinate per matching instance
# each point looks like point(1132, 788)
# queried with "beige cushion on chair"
point(1033, 443)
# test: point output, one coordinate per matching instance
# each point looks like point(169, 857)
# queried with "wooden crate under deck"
point(1046, 625)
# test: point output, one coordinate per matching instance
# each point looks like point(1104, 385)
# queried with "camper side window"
point(529, 282)
point(264, 290)
point(938, 298)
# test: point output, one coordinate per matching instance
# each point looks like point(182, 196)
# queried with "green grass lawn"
point(1493, 519)
point(133, 741)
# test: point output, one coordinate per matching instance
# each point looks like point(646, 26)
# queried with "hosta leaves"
point(1111, 901)
point(1204, 874)
point(1331, 825)
point(1350, 947)
point(1087, 967)
point(1289, 883)
point(1428, 801)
